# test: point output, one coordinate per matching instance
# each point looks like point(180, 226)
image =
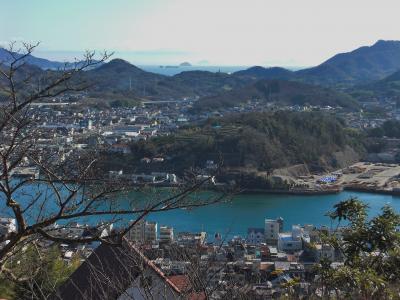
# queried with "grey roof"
point(107, 273)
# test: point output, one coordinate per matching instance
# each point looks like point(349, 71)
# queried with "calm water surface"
point(244, 211)
point(249, 210)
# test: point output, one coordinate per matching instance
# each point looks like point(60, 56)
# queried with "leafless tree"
point(71, 187)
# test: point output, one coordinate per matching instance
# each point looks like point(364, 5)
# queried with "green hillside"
point(261, 141)
point(280, 92)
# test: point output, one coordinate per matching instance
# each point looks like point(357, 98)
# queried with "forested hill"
point(261, 141)
point(389, 87)
point(278, 91)
point(362, 65)
point(258, 72)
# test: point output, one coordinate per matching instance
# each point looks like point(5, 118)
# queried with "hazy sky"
point(221, 32)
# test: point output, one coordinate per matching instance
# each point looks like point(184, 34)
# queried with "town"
point(68, 128)
point(259, 264)
point(199, 150)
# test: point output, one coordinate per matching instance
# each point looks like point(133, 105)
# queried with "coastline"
point(319, 192)
point(291, 192)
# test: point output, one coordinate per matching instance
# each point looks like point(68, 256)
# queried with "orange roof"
point(197, 296)
point(182, 282)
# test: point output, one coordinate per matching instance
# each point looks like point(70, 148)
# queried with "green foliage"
point(278, 91)
point(42, 272)
point(376, 132)
point(390, 128)
point(123, 103)
point(262, 141)
point(371, 248)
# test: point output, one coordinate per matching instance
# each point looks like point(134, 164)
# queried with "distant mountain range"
point(362, 65)
point(42, 63)
point(120, 79)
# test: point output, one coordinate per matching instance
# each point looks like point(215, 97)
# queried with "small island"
point(185, 64)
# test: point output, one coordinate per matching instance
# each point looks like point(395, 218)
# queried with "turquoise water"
point(228, 218)
point(250, 210)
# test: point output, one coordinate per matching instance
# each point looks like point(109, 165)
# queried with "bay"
point(250, 210)
point(235, 216)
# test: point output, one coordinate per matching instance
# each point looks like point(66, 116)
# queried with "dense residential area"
point(213, 150)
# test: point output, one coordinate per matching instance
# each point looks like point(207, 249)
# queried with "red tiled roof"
point(197, 296)
point(182, 282)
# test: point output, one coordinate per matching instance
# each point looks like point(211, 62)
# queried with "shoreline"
point(319, 192)
point(291, 192)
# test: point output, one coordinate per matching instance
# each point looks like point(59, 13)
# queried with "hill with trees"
point(258, 72)
point(280, 92)
point(119, 76)
point(256, 141)
point(387, 87)
point(364, 64)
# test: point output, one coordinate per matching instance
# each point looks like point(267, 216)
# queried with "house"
point(128, 130)
point(255, 236)
point(293, 241)
point(191, 239)
point(121, 148)
point(122, 272)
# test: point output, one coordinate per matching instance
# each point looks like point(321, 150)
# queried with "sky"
point(215, 32)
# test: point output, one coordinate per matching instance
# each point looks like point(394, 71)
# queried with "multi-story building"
point(272, 229)
point(292, 241)
point(150, 232)
point(143, 232)
point(166, 234)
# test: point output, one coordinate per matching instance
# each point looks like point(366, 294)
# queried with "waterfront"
point(235, 216)
point(250, 210)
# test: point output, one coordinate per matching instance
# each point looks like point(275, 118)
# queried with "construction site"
point(362, 176)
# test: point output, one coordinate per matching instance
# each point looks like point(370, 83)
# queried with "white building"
point(272, 229)
point(192, 239)
point(292, 241)
point(143, 232)
point(7, 225)
point(166, 234)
